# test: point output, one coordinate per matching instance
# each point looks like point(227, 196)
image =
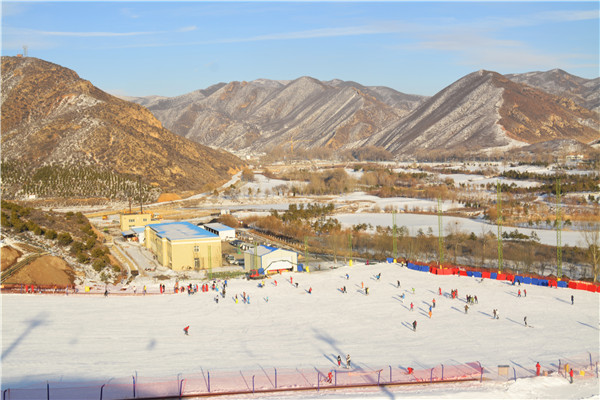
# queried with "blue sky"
point(172, 48)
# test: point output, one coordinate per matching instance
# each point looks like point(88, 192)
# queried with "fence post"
point(4, 395)
point(181, 387)
point(480, 370)
point(47, 390)
point(252, 383)
point(335, 374)
point(208, 372)
point(515, 374)
point(133, 385)
point(101, 390)
point(591, 364)
point(431, 375)
point(318, 381)
point(390, 374)
point(275, 377)
point(442, 371)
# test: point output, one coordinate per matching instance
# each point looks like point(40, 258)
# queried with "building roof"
point(181, 230)
point(263, 250)
point(217, 226)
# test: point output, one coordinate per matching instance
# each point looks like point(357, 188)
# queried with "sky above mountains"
point(171, 48)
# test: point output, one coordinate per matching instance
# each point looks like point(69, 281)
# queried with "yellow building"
point(183, 246)
point(135, 219)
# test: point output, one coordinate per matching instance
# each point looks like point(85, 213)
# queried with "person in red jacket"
point(186, 329)
point(537, 369)
point(571, 374)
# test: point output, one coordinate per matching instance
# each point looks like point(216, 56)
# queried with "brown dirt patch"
point(9, 256)
point(46, 270)
point(168, 197)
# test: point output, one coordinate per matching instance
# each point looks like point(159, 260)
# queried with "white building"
point(223, 231)
point(270, 259)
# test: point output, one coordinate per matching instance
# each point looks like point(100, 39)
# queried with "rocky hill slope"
point(481, 111)
point(584, 92)
point(486, 111)
point(263, 114)
point(50, 116)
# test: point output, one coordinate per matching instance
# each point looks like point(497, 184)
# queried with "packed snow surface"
point(90, 337)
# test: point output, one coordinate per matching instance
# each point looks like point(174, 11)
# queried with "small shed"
point(270, 259)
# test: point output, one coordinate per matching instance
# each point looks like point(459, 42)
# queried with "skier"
point(186, 329)
point(429, 312)
point(494, 313)
point(378, 276)
point(367, 291)
point(519, 293)
point(571, 374)
point(525, 320)
point(572, 300)
point(347, 276)
point(414, 325)
point(440, 291)
point(344, 289)
point(537, 369)
point(348, 361)
point(329, 377)
point(409, 370)
point(413, 290)
point(525, 292)
point(105, 292)
point(217, 299)
point(310, 290)
point(398, 284)
point(411, 306)
point(296, 285)
point(292, 280)
point(476, 301)
point(339, 360)
point(433, 302)
point(466, 308)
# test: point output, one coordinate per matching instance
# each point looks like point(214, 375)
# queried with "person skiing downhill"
point(348, 361)
point(186, 329)
point(525, 320)
point(411, 306)
point(339, 360)
point(414, 325)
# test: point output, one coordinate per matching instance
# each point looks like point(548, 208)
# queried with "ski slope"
point(89, 337)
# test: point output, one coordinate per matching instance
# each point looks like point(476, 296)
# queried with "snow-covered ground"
point(92, 338)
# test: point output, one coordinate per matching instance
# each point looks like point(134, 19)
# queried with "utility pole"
point(306, 251)
point(394, 244)
point(499, 223)
point(558, 231)
point(350, 249)
point(440, 234)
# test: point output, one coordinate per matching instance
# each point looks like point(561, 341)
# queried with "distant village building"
point(129, 220)
point(223, 231)
point(183, 246)
point(270, 259)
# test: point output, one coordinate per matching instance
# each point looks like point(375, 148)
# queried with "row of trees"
point(75, 181)
point(522, 253)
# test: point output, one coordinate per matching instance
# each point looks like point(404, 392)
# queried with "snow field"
point(93, 338)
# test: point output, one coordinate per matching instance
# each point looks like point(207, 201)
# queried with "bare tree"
point(591, 238)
